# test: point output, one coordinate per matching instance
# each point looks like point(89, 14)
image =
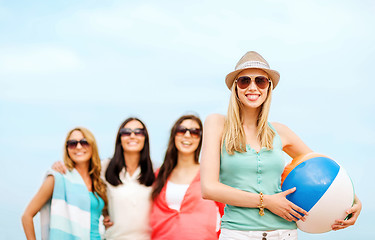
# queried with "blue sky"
point(94, 63)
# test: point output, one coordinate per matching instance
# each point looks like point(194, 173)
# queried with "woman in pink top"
point(178, 211)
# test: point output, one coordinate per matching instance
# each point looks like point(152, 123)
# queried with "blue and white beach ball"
point(323, 189)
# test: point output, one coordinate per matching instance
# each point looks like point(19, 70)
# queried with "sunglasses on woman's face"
point(194, 132)
point(261, 82)
point(72, 144)
point(128, 131)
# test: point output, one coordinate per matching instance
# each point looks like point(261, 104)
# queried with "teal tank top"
point(253, 172)
point(96, 207)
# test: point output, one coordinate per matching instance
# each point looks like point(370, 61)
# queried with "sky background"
point(94, 63)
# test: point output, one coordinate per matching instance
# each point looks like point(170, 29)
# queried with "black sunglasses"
point(128, 131)
point(72, 144)
point(261, 82)
point(194, 132)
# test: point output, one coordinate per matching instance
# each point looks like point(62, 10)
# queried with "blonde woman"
point(72, 203)
point(129, 177)
point(242, 159)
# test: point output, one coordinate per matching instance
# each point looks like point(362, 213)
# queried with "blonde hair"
point(95, 165)
point(234, 134)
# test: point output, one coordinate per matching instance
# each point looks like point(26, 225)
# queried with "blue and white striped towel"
point(67, 215)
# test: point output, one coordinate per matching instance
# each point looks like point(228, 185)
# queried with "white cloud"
point(225, 28)
point(155, 44)
point(40, 59)
point(121, 21)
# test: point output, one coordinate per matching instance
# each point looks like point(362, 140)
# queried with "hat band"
point(253, 64)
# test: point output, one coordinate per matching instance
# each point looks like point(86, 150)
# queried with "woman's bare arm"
point(214, 190)
point(40, 198)
point(292, 144)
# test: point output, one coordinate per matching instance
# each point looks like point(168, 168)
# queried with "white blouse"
point(175, 194)
point(129, 207)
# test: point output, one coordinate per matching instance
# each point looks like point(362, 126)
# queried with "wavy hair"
point(170, 159)
point(234, 134)
point(98, 185)
point(117, 162)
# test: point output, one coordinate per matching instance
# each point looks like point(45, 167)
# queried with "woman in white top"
point(129, 176)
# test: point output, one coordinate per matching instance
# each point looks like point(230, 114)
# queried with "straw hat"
point(252, 60)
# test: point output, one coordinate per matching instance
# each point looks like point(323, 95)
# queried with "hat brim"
point(272, 74)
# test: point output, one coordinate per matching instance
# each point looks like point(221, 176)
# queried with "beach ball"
point(323, 189)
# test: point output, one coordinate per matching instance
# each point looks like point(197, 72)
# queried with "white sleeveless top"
point(175, 194)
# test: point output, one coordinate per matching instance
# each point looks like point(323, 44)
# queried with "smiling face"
point(186, 143)
point(133, 142)
point(252, 96)
point(79, 154)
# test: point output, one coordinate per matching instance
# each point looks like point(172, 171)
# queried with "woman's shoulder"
point(53, 174)
point(214, 122)
point(281, 129)
point(104, 164)
point(215, 118)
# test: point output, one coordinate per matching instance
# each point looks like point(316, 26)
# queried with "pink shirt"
point(196, 219)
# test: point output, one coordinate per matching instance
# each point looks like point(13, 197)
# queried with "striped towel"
point(67, 215)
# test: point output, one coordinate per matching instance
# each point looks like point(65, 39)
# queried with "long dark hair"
point(117, 163)
point(170, 159)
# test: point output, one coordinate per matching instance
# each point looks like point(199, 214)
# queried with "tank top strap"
point(277, 144)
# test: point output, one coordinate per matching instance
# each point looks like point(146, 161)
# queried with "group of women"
point(241, 167)
point(136, 202)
